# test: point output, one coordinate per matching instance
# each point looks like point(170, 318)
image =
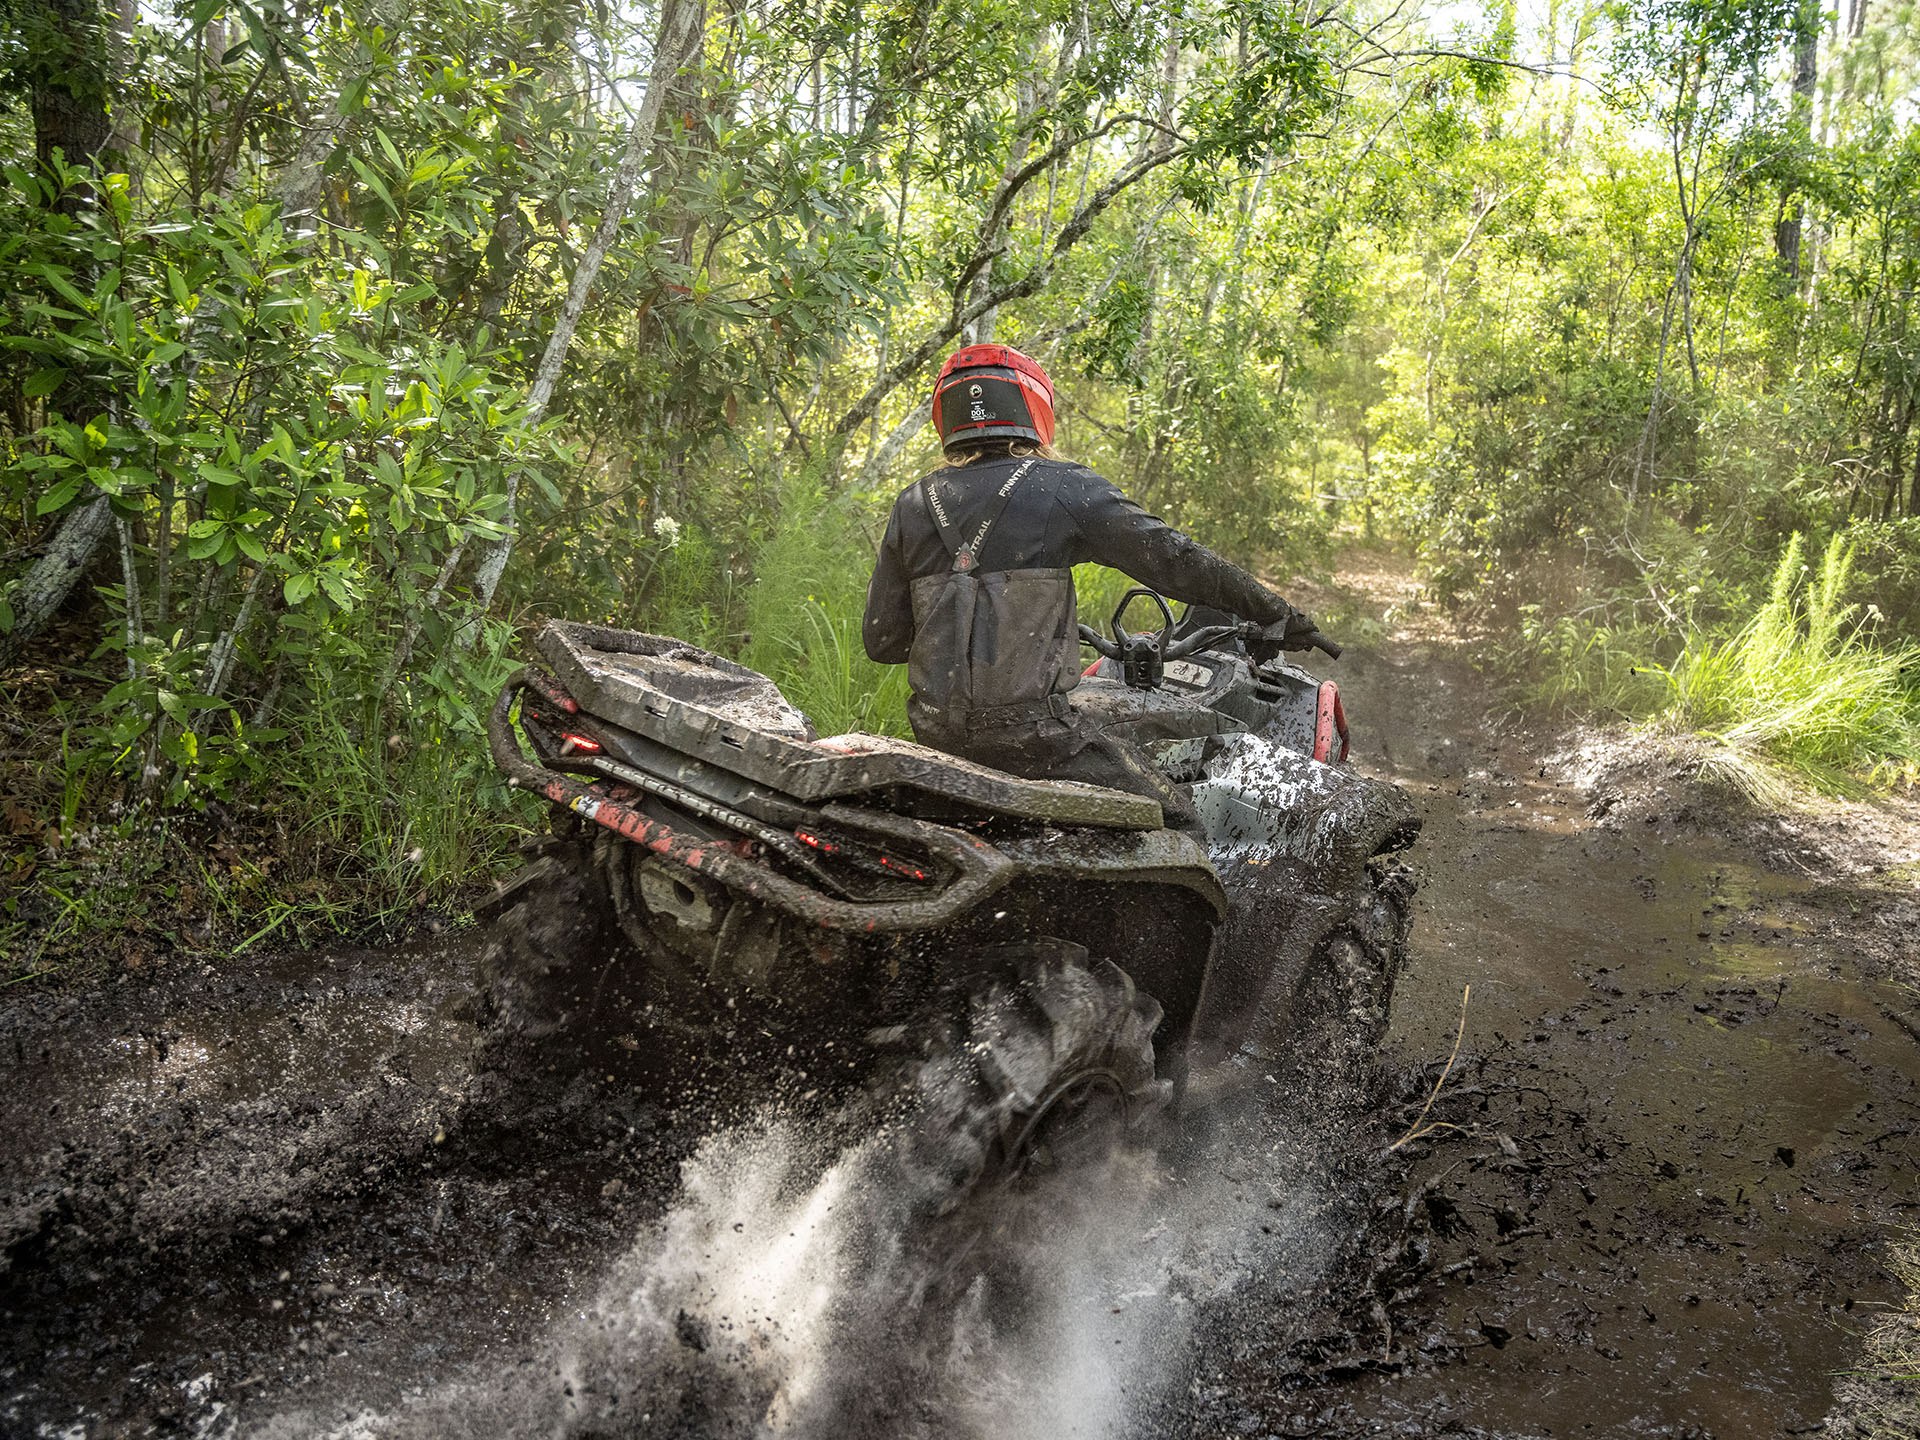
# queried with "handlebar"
point(1209, 636)
point(1205, 640)
point(1317, 641)
point(1143, 655)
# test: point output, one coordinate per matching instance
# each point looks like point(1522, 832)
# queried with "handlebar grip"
point(1321, 642)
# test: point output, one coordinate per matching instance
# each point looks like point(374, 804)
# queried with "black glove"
point(1295, 631)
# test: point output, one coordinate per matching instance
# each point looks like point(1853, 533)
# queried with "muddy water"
point(1697, 1119)
point(265, 1197)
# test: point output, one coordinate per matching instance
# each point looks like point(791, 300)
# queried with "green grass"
point(803, 614)
point(1582, 664)
point(1887, 1393)
point(1806, 688)
point(1803, 684)
point(827, 674)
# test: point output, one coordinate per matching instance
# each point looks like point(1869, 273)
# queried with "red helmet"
point(992, 392)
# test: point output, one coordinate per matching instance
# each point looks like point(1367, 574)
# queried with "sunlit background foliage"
point(1590, 306)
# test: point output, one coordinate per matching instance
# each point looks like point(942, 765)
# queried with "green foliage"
point(1801, 683)
point(1591, 668)
point(803, 617)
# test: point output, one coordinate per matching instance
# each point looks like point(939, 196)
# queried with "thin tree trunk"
point(679, 32)
point(220, 658)
point(130, 600)
point(901, 436)
point(1806, 55)
point(404, 650)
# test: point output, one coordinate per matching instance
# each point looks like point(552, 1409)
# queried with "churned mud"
point(1688, 1092)
point(1652, 1196)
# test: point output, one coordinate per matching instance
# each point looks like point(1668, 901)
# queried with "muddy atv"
point(1024, 967)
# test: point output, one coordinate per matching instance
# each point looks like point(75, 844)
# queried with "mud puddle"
point(1687, 1110)
point(256, 1199)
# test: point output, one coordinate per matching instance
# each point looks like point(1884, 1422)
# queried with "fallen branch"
point(1419, 1128)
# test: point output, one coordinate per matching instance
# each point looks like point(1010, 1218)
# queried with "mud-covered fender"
point(1266, 806)
point(1291, 838)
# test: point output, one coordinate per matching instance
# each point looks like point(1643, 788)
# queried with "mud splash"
point(773, 1299)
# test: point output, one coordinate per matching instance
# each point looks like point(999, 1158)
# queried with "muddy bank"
point(267, 1197)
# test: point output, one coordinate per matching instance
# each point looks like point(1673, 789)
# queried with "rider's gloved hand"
point(1295, 631)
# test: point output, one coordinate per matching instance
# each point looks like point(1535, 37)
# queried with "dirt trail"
point(260, 1196)
point(1690, 1086)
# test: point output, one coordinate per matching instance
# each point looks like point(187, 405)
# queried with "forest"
point(1562, 357)
point(342, 344)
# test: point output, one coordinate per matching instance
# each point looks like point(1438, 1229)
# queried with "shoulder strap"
point(966, 551)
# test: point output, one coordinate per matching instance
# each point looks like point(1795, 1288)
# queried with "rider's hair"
point(995, 449)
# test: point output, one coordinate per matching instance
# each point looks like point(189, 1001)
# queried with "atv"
point(1025, 966)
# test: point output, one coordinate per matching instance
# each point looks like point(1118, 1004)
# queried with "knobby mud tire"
point(1038, 1038)
point(1346, 994)
point(545, 968)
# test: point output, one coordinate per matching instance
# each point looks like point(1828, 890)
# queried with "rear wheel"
point(1042, 1061)
point(549, 952)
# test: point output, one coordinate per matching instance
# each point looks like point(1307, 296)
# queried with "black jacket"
point(998, 648)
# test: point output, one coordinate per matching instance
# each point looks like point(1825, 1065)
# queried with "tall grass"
point(1886, 1389)
point(1803, 683)
point(801, 612)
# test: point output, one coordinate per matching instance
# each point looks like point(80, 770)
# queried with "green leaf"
point(214, 475)
point(59, 497)
point(373, 184)
point(58, 280)
point(200, 529)
point(251, 547)
point(299, 588)
point(43, 382)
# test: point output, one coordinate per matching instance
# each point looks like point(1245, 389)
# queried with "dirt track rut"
point(254, 1196)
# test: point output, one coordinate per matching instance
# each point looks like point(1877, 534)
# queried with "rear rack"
point(979, 869)
point(717, 711)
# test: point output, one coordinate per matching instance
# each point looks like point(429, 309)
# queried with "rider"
point(973, 588)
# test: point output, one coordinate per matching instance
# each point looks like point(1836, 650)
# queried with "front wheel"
point(1346, 993)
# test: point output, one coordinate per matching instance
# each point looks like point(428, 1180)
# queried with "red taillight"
point(570, 742)
point(899, 867)
point(807, 837)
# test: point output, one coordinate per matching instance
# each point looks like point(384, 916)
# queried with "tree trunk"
point(42, 589)
point(68, 69)
point(674, 46)
point(1806, 56)
point(881, 460)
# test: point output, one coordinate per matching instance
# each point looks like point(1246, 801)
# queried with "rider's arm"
point(887, 627)
point(1118, 533)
